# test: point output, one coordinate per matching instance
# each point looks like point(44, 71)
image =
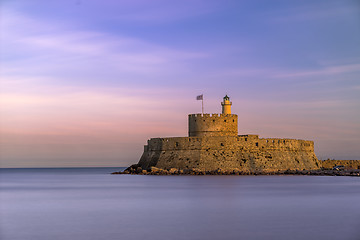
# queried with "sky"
point(85, 83)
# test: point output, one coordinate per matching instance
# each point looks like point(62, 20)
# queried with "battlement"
point(213, 125)
point(209, 115)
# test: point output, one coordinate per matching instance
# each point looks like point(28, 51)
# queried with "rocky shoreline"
point(137, 170)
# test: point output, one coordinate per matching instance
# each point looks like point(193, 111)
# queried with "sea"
point(92, 204)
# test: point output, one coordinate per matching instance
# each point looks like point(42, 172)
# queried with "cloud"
point(160, 11)
point(141, 12)
point(313, 12)
point(110, 125)
point(327, 70)
point(72, 55)
point(36, 107)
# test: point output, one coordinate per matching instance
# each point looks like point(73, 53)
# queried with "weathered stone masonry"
point(213, 144)
point(350, 164)
point(213, 125)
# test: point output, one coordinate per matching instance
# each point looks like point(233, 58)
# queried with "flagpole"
point(201, 97)
point(202, 105)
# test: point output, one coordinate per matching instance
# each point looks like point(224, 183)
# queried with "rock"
point(173, 171)
point(134, 166)
point(135, 169)
point(155, 169)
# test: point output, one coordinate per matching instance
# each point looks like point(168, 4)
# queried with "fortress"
point(214, 143)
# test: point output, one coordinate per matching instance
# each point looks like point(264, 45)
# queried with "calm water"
point(86, 204)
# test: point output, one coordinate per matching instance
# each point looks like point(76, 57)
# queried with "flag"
point(200, 97)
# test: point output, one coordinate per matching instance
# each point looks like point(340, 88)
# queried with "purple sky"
point(86, 83)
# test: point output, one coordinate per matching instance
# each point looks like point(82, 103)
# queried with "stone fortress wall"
point(241, 142)
point(244, 152)
point(348, 164)
point(214, 143)
point(213, 125)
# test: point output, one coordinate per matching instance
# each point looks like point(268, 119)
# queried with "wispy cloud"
point(61, 52)
point(28, 108)
point(312, 12)
point(43, 121)
point(164, 11)
point(323, 71)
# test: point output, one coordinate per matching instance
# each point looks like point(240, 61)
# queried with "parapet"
point(201, 125)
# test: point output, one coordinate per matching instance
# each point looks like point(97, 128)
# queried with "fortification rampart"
point(228, 152)
point(213, 125)
point(245, 142)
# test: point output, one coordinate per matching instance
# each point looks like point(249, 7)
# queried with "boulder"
point(173, 171)
point(155, 170)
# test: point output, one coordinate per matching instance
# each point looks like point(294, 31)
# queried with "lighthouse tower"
point(226, 105)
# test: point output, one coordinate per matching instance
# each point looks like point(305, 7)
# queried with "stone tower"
point(225, 124)
point(226, 105)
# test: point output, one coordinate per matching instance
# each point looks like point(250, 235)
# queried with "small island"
point(214, 147)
